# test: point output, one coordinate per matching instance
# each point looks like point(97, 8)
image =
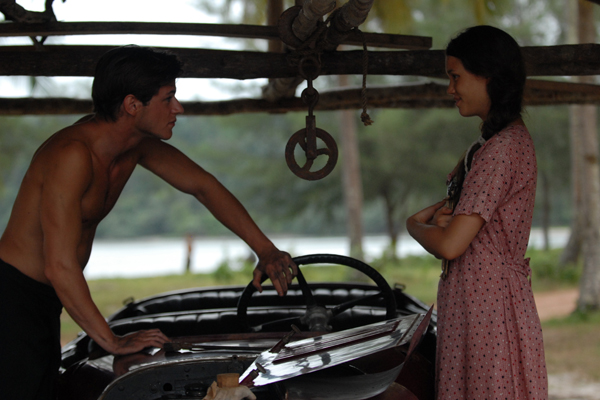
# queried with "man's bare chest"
point(104, 191)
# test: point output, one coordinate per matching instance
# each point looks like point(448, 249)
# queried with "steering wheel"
point(317, 316)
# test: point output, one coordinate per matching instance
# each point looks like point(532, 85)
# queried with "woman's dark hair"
point(490, 53)
point(140, 71)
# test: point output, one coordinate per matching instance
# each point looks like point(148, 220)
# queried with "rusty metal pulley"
point(308, 144)
point(306, 138)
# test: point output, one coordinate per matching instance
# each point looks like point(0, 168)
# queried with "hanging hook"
point(309, 68)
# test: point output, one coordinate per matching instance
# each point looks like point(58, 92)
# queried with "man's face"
point(158, 117)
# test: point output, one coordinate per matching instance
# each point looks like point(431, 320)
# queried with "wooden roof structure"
point(403, 55)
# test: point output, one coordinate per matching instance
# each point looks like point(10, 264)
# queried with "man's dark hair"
point(140, 71)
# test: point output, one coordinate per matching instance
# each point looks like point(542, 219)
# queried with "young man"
point(73, 182)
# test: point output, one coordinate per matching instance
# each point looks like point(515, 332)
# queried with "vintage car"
point(320, 341)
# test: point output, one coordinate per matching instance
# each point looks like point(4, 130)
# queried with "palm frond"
point(395, 15)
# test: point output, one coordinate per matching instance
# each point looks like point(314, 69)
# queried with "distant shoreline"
point(156, 256)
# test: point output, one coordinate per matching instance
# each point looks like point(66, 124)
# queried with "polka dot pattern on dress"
point(489, 333)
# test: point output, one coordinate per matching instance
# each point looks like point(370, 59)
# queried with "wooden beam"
point(429, 95)
point(544, 92)
point(562, 86)
point(564, 60)
point(8, 29)
point(203, 63)
point(44, 106)
point(189, 29)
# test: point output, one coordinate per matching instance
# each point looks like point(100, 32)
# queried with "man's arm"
point(185, 175)
point(66, 179)
point(445, 239)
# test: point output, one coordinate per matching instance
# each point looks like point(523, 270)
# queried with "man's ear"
point(131, 105)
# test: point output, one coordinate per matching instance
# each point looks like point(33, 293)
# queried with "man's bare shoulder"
point(69, 145)
point(152, 148)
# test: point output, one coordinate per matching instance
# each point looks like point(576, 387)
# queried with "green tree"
point(549, 129)
point(19, 138)
point(272, 193)
point(406, 160)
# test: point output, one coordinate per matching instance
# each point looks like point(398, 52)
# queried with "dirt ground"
point(570, 387)
point(565, 386)
point(556, 304)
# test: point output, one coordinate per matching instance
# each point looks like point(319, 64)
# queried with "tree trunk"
point(545, 209)
point(352, 182)
point(392, 250)
point(572, 250)
point(589, 289)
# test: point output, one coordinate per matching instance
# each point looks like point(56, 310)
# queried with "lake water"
point(161, 256)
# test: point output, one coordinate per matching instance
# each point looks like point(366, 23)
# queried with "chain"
point(364, 117)
point(309, 68)
point(313, 47)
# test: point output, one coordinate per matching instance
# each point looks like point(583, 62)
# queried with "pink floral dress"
point(489, 334)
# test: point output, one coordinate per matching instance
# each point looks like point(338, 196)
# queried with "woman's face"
point(469, 90)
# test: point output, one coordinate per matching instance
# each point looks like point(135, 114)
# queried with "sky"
point(182, 11)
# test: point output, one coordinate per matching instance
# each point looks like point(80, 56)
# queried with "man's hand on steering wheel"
point(279, 267)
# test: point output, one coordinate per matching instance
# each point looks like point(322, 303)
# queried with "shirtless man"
point(73, 182)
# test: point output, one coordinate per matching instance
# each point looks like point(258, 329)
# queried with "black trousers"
point(29, 336)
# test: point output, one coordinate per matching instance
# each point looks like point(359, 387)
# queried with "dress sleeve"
point(489, 180)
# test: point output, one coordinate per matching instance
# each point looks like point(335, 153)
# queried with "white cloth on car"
point(229, 393)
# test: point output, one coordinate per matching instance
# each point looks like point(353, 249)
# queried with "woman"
point(489, 333)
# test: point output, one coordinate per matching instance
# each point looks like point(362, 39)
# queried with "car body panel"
point(208, 339)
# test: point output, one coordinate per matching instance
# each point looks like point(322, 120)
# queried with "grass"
point(572, 344)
